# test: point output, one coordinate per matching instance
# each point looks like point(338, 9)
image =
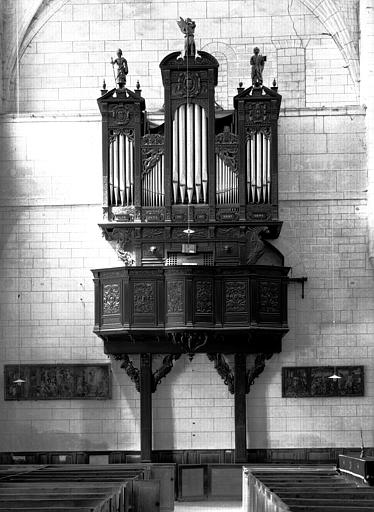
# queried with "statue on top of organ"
point(222, 165)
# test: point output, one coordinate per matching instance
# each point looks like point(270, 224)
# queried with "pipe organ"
point(191, 206)
point(189, 155)
point(121, 168)
point(258, 164)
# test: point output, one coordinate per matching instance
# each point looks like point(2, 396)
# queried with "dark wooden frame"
point(32, 374)
point(305, 381)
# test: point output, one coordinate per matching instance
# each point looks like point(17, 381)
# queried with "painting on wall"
point(58, 382)
point(314, 381)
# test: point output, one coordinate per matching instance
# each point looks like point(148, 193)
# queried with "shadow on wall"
point(25, 437)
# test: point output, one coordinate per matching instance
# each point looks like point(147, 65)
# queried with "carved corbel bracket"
point(158, 374)
point(256, 369)
point(255, 245)
point(164, 369)
point(223, 370)
point(130, 369)
point(189, 342)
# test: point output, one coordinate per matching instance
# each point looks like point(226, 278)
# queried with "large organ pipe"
point(122, 167)
point(131, 146)
point(253, 168)
point(182, 150)
point(175, 159)
point(204, 155)
point(190, 152)
point(162, 182)
point(248, 160)
point(264, 166)
point(198, 152)
point(115, 170)
point(268, 178)
point(111, 171)
point(258, 164)
point(127, 159)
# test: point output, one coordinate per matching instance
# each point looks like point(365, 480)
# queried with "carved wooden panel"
point(314, 381)
point(175, 296)
point(58, 382)
point(111, 299)
point(144, 297)
point(235, 297)
point(269, 295)
point(204, 297)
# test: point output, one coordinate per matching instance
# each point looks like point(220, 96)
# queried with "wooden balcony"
point(191, 308)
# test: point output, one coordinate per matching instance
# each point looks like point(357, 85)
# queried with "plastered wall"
point(50, 204)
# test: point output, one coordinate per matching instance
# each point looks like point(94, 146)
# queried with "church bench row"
point(309, 491)
point(140, 490)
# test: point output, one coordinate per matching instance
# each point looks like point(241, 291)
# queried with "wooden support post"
point(146, 407)
point(240, 409)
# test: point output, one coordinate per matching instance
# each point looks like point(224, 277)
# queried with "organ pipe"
point(258, 170)
point(153, 184)
point(190, 166)
point(227, 183)
point(121, 170)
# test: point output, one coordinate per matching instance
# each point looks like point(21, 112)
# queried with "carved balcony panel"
point(191, 306)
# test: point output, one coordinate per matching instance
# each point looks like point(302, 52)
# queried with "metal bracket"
point(301, 280)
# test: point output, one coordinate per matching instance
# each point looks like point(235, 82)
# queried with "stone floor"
point(208, 506)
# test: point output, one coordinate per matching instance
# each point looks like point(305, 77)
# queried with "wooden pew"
point(140, 494)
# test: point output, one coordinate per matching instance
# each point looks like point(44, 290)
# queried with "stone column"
point(367, 98)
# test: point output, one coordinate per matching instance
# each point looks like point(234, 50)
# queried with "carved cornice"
point(256, 369)
point(223, 370)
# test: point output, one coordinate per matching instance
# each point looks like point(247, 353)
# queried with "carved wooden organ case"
point(190, 208)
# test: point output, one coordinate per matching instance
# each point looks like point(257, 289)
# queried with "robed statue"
point(257, 62)
point(188, 26)
point(122, 69)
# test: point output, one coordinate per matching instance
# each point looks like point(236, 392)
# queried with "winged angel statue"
point(188, 26)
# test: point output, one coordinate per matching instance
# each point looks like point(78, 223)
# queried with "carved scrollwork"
point(122, 115)
point(152, 151)
point(251, 132)
point(235, 296)
point(255, 246)
point(227, 149)
point(188, 84)
point(174, 291)
point(165, 368)
point(188, 342)
point(257, 112)
point(143, 298)
point(204, 297)
point(111, 299)
point(269, 296)
point(256, 369)
point(130, 369)
point(128, 258)
point(223, 370)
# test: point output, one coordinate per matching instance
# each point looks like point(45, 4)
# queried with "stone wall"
point(50, 204)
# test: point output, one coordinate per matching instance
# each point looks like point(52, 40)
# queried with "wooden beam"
point(240, 409)
point(146, 407)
